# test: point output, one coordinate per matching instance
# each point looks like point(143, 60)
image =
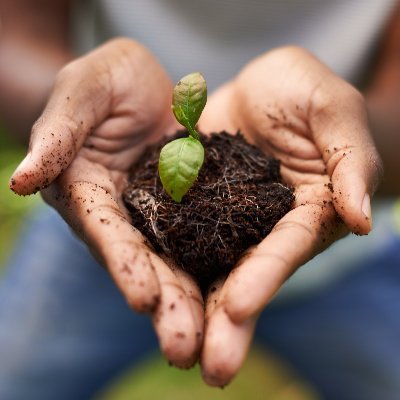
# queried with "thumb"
point(340, 126)
point(80, 100)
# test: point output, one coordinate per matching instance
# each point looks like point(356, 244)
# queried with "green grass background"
point(12, 208)
point(262, 377)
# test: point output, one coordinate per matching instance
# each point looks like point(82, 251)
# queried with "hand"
point(290, 105)
point(105, 109)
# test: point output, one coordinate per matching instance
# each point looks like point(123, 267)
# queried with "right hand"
point(290, 105)
point(105, 108)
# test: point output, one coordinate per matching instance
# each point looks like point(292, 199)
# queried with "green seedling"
point(180, 160)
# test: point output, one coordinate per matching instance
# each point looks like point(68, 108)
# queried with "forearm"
point(383, 100)
point(385, 123)
point(33, 47)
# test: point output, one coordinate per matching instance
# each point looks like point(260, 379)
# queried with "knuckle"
point(337, 93)
point(68, 71)
point(127, 51)
point(353, 95)
point(86, 73)
point(289, 52)
point(294, 50)
point(123, 42)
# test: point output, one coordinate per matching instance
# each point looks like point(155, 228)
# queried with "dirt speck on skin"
point(330, 186)
point(156, 298)
point(125, 269)
point(237, 199)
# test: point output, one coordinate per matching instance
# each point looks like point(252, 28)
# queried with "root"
point(236, 201)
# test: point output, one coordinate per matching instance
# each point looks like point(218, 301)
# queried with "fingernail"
point(15, 180)
point(366, 206)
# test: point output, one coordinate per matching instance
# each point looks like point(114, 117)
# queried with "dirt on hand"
point(237, 199)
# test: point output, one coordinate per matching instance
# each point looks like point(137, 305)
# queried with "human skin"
point(103, 111)
point(316, 124)
point(229, 324)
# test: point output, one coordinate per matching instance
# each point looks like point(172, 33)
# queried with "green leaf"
point(180, 160)
point(179, 164)
point(188, 101)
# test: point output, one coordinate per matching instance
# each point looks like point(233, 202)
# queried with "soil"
point(237, 199)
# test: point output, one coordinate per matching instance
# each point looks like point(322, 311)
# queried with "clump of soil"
point(237, 199)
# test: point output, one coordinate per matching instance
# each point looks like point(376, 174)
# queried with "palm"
point(283, 102)
point(281, 125)
point(104, 110)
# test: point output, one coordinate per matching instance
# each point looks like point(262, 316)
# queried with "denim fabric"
point(65, 330)
point(345, 339)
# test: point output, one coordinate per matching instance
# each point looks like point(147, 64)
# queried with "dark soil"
point(237, 199)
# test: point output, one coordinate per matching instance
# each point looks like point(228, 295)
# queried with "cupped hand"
point(105, 108)
point(293, 107)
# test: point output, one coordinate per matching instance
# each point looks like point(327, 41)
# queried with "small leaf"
point(188, 101)
point(179, 165)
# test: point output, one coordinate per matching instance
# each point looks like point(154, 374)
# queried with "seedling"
point(207, 234)
point(180, 160)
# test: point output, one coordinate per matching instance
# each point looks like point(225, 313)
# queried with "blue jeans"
point(65, 330)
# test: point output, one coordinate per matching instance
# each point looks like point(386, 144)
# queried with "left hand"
point(293, 107)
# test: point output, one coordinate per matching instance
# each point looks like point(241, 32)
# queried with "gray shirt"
point(217, 37)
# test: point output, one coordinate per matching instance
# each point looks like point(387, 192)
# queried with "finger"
point(78, 103)
point(194, 295)
point(300, 235)
point(179, 318)
point(216, 116)
point(286, 136)
point(297, 179)
point(301, 165)
point(339, 124)
point(288, 141)
point(85, 197)
point(212, 297)
point(336, 120)
point(119, 140)
point(226, 343)
point(89, 91)
point(146, 281)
